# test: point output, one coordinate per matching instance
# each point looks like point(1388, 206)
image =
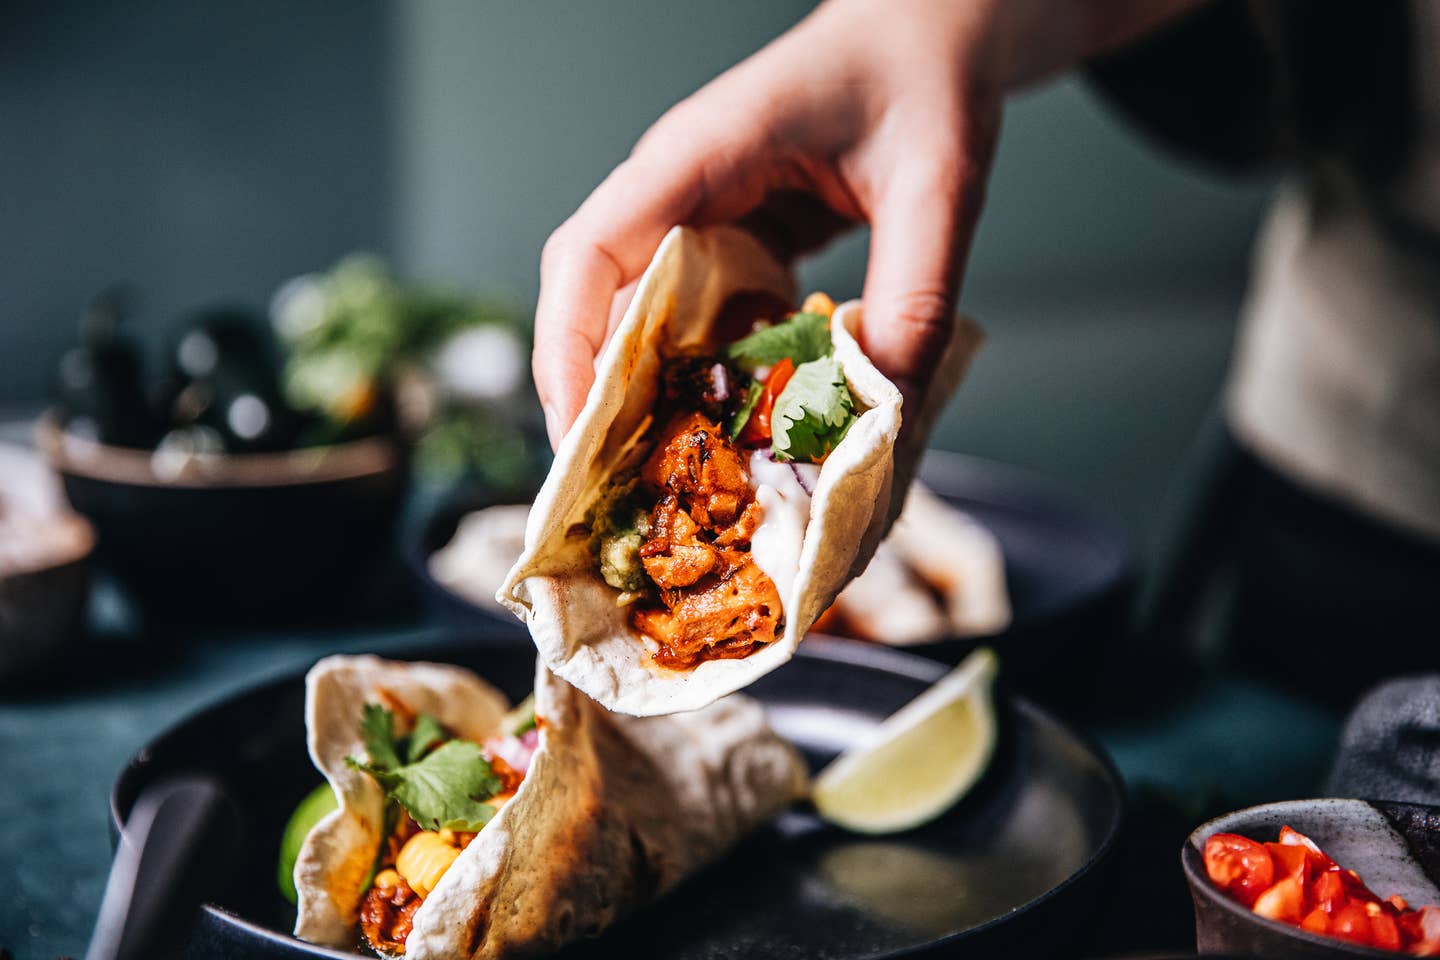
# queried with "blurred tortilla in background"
point(939, 575)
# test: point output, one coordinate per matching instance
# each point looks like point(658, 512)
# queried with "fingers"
point(680, 172)
point(791, 223)
point(585, 262)
point(619, 305)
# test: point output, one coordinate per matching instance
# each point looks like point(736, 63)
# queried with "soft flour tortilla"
point(555, 587)
point(957, 556)
point(613, 811)
point(939, 574)
point(478, 558)
point(338, 853)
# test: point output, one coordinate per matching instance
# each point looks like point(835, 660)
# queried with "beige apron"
point(1336, 381)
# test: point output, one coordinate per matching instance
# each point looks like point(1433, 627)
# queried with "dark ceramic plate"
point(1070, 576)
point(1395, 847)
point(1012, 867)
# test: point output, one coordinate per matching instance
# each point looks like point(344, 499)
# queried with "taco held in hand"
point(730, 472)
point(466, 831)
point(700, 537)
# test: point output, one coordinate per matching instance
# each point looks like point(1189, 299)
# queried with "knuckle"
point(560, 246)
point(925, 316)
point(946, 170)
point(673, 126)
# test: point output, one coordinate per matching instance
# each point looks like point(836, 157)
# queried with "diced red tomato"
point(1355, 888)
point(1319, 862)
point(1311, 891)
point(1316, 921)
point(757, 429)
point(1328, 893)
point(1352, 923)
point(1291, 861)
point(1238, 865)
point(1426, 942)
point(1384, 932)
point(1294, 838)
point(1285, 901)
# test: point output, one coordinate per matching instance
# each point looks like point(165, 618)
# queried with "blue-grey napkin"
point(1390, 749)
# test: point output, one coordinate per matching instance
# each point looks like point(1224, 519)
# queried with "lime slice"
point(311, 810)
point(920, 761)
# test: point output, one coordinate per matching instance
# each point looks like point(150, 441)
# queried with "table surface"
point(61, 747)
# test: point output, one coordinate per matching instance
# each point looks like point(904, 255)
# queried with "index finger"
point(604, 246)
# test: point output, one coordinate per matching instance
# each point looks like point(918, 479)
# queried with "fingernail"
point(552, 427)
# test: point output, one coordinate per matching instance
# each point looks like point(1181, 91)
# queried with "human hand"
point(885, 114)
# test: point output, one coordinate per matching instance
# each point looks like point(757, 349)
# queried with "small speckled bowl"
point(1395, 847)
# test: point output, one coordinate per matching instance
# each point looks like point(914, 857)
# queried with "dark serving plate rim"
point(834, 649)
point(1192, 864)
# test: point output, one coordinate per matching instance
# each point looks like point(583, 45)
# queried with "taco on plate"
point(465, 829)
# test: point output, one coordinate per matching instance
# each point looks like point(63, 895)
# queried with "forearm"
point(1042, 37)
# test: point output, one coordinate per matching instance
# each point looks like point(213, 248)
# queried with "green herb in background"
point(366, 351)
point(505, 459)
point(349, 330)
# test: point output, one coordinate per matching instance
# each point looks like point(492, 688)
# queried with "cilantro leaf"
point(445, 791)
point(427, 734)
point(377, 732)
point(802, 337)
point(747, 407)
point(813, 412)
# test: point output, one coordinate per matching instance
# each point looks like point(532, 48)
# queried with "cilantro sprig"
point(802, 337)
point(442, 783)
point(813, 413)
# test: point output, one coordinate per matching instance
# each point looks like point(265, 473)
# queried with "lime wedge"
point(920, 761)
point(311, 810)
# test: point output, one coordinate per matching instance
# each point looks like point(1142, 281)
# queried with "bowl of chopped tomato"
point(1317, 879)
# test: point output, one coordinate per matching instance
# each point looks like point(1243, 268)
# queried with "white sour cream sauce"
point(785, 504)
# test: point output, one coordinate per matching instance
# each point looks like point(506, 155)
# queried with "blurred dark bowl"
point(42, 609)
point(222, 539)
point(1395, 847)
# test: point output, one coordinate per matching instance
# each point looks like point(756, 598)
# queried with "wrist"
point(1042, 37)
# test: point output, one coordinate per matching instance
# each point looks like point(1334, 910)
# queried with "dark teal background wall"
point(203, 150)
point(197, 150)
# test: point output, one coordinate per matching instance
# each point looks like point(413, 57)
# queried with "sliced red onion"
point(807, 483)
point(720, 382)
point(515, 751)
